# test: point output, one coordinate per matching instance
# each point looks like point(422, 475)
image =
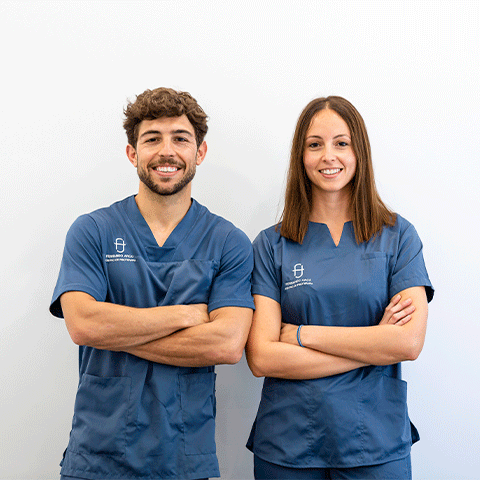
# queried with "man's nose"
point(166, 148)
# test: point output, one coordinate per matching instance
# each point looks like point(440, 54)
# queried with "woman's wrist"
point(299, 340)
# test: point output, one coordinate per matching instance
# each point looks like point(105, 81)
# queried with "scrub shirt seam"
point(264, 290)
point(311, 424)
point(135, 226)
point(400, 234)
point(75, 287)
point(362, 429)
point(413, 281)
point(230, 303)
point(237, 302)
point(201, 212)
point(275, 293)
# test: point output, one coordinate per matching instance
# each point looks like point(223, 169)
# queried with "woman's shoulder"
point(269, 240)
point(402, 232)
point(271, 233)
point(400, 226)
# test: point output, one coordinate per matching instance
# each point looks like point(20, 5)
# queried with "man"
point(156, 290)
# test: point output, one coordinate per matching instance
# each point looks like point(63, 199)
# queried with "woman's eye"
point(314, 145)
point(343, 144)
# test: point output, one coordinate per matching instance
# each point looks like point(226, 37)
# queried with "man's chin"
point(167, 190)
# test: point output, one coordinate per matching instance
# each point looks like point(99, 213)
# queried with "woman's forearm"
point(283, 360)
point(377, 345)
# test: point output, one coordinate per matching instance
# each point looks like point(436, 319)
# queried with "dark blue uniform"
point(359, 417)
point(135, 418)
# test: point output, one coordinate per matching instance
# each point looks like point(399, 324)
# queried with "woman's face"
point(328, 155)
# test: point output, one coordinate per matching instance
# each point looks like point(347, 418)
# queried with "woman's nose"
point(328, 153)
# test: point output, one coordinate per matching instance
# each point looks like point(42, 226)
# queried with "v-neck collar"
point(346, 232)
point(153, 250)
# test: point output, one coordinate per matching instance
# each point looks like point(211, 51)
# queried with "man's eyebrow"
point(176, 132)
point(184, 132)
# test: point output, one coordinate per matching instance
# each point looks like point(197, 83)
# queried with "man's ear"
point(201, 152)
point(132, 155)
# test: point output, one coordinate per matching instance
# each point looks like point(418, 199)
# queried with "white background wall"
point(410, 67)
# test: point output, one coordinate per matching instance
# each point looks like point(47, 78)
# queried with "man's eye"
point(181, 139)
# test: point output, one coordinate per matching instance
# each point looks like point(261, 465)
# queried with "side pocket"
point(197, 394)
point(101, 415)
point(386, 426)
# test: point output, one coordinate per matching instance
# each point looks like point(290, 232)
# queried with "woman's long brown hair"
point(369, 213)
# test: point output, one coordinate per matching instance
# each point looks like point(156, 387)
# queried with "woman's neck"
point(334, 208)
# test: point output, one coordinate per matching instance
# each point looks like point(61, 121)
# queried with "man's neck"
point(163, 212)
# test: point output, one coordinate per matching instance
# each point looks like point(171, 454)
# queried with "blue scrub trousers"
point(64, 477)
point(397, 470)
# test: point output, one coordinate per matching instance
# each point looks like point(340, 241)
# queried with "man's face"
point(166, 154)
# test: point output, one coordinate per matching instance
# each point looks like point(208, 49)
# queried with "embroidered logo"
point(120, 256)
point(120, 245)
point(298, 270)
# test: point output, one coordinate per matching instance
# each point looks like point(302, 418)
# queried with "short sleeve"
point(231, 285)
point(409, 269)
point(82, 264)
point(266, 278)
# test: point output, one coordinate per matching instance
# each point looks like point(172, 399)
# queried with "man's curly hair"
point(164, 102)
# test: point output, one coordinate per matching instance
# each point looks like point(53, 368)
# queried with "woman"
point(341, 294)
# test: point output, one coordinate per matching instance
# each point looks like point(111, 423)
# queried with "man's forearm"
point(109, 326)
point(219, 342)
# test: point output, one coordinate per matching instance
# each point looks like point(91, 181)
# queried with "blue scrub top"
point(358, 417)
point(134, 418)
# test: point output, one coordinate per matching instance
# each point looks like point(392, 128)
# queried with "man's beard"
point(167, 189)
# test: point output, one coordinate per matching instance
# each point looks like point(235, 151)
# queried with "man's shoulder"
point(105, 215)
point(116, 209)
point(94, 225)
point(219, 225)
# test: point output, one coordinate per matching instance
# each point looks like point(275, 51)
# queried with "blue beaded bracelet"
point(298, 336)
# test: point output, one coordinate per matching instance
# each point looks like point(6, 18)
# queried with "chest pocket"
point(187, 282)
point(372, 282)
point(373, 271)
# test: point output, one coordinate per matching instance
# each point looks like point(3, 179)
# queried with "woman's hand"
point(397, 312)
point(288, 333)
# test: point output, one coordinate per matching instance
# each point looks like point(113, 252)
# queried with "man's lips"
point(166, 169)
